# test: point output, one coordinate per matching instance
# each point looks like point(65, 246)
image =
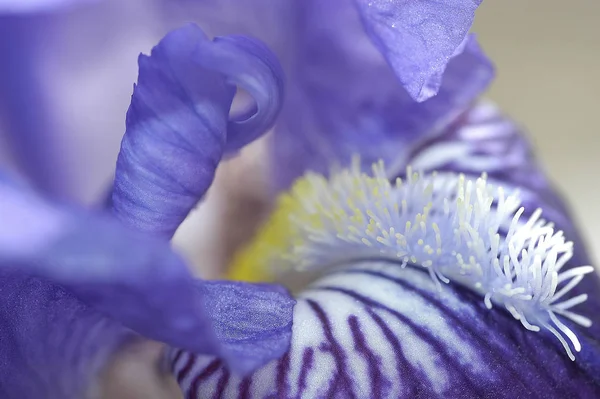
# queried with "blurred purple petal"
point(344, 98)
point(418, 37)
point(251, 66)
point(375, 330)
point(178, 125)
point(31, 130)
point(67, 83)
point(485, 140)
point(136, 280)
point(29, 6)
point(51, 345)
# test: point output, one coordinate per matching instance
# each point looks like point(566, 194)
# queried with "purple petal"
point(484, 140)
point(376, 330)
point(344, 98)
point(137, 281)
point(263, 323)
point(418, 37)
point(28, 6)
point(51, 344)
point(178, 124)
point(30, 129)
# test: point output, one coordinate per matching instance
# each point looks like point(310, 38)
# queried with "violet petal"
point(178, 125)
point(30, 129)
point(138, 281)
point(31, 6)
point(343, 98)
point(485, 140)
point(418, 38)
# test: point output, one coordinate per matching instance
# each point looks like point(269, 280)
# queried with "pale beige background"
point(547, 54)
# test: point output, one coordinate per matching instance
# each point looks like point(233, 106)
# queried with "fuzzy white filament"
point(460, 230)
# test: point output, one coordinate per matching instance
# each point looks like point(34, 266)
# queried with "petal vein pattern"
point(455, 228)
point(375, 330)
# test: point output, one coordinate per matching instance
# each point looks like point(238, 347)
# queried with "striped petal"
point(485, 140)
point(345, 99)
point(376, 330)
point(178, 124)
point(140, 282)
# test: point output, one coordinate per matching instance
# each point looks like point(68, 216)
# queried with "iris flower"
point(407, 222)
point(476, 297)
point(16, 6)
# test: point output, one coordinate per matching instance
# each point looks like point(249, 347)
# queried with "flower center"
point(455, 228)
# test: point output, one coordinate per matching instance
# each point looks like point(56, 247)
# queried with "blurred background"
point(547, 54)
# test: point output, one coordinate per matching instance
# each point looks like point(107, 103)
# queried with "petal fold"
point(137, 280)
point(418, 38)
point(251, 66)
point(51, 344)
point(178, 124)
point(485, 140)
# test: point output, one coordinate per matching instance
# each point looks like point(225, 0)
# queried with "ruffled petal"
point(29, 130)
point(418, 38)
point(138, 281)
point(51, 344)
point(344, 99)
point(377, 330)
point(251, 66)
point(178, 124)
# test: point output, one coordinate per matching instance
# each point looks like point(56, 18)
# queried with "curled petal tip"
point(178, 124)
